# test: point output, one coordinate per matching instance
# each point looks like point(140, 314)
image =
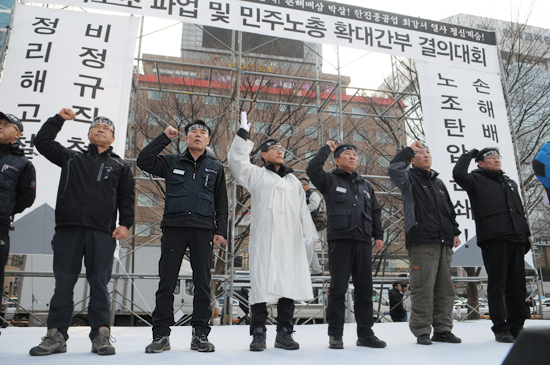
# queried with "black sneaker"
point(335, 342)
point(445, 336)
point(258, 339)
point(284, 340)
point(424, 339)
point(371, 341)
point(505, 337)
point(101, 345)
point(160, 343)
point(52, 343)
point(200, 342)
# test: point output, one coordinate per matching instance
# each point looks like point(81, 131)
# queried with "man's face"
point(347, 161)
point(305, 185)
point(8, 132)
point(101, 135)
point(423, 159)
point(275, 155)
point(491, 162)
point(197, 139)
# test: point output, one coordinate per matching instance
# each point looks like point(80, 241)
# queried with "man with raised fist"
point(195, 216)
point(94, 186)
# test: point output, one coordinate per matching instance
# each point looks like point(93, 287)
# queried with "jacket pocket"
point(339, 219)
point(206, 205)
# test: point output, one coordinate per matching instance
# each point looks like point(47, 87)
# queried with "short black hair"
point(198, 122)
point(481, 155)
point(396, 283)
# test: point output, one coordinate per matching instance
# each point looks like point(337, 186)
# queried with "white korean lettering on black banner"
point(60, 59)
point(322, 22)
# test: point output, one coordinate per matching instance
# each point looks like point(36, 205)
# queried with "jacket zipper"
point(100, 171)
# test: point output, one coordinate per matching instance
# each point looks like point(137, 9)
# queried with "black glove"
point(473, 152)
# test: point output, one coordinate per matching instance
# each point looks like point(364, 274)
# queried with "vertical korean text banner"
point(463, 108)
point(68, 59)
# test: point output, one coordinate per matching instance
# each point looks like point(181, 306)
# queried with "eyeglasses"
point(6, 124)
point(278, 149)
point(102, 127)
point(493, 157)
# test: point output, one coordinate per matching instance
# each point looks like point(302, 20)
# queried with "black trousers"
point(4, 253)
point(504, 262)
point(350, 257)
point(70, 245)
point(174, 242)
point(285, 312)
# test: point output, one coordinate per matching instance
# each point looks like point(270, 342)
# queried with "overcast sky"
point(354, 62)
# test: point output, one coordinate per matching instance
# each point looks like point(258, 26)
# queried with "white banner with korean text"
point(64, 59)
point(322, 22)
point(464, 109)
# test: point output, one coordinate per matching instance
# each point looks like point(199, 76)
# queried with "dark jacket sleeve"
point(149, 159)
point(398, 169)
point(315, 171)
point(460, 172)
point(126, 198)
point(26, 189)
point(456, 231)
point(220, 198)
point(377, 231)
point(47, 145)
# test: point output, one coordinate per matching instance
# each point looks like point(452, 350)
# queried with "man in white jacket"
point(281, 225)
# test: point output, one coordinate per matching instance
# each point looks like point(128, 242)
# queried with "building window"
point(361, 136)
point(262, 106)
point(356, 111)
point(148, 200)
point(146, 141)
point(383, 137)
point(155, 119)
point(384, 161)
point(310, 155)
point(211, 100)
point(362, 159)
point(156, 95)
point(333, 110)
point(311, 132)
point(333, 134)
point(285, 107)
point(260, 127)
point(184, 98)
point(288, 155)
point(311, 110)
point(286, 130)
point(146, 229)
point(17, 261)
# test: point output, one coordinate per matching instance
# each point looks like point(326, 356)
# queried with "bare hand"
point(219, 240)
point(67, 114)
point(120, 233)
point(456, 242)
point(171, 132)
point(332, 145)
point(379, 244)
point(417, 146)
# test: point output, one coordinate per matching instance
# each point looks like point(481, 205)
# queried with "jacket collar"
point(429, 175)
point(92, 148)
point(186, 155)
point(354, 176)
point(491, 174)
point(283, 170)
point(11, 148)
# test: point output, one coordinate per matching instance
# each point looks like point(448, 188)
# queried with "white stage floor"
point(478, 347)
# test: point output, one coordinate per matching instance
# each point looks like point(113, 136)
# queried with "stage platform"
point(478, 347)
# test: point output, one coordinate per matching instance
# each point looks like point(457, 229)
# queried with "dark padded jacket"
point(92, 185)
point(17, 183)
point(196, 194)
point(496, 203)
point(429, 212)
point(397, 311)
point(353, 212)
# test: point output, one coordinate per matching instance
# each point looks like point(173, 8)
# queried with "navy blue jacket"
point(353, 212)
point(196, 194)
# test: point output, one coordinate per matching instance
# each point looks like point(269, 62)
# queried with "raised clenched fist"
point(67, 114)
point(332, 145)
point(417, 146)
point(171, 132)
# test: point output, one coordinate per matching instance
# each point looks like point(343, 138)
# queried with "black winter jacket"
point(196, 203)
point(429, 212)
point(396, 305)
point(92, 186)
point(353, 212)
point(496, 203)
point(17, 183)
